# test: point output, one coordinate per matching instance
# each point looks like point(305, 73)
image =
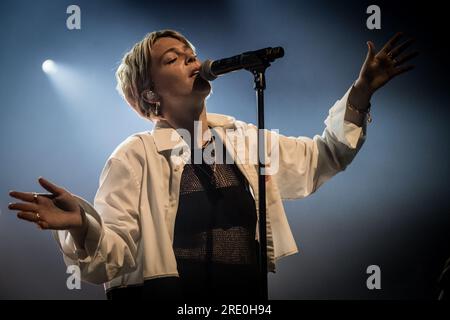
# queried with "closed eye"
point(171, 61)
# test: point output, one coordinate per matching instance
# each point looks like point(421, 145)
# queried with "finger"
point(53, 188)
point(406, 57)
point(47, 195)
point(403, 69)
point(400, 48)
point(388, 46)
point(43, 225)
point(370, 50)
point(24, 196)
point(28, 216)
point(23, 206)
point(29, 196)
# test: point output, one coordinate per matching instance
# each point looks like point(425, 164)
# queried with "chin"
point(201, 86)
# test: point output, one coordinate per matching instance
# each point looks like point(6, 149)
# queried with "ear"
point(150, 96)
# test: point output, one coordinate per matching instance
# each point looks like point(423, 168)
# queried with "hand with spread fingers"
point(57, 210)
point(380, 67)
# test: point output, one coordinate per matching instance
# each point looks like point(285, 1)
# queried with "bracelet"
point(361, 112)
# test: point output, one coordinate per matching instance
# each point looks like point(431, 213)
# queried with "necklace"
point(213, 153)
point(205, 167)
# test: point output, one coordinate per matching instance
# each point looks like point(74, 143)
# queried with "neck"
point(187, 122)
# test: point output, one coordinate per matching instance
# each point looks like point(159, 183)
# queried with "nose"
point(192, 58)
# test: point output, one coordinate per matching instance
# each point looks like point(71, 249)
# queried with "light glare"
point(49, 66)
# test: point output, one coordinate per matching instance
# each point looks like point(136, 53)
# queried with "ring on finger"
point(35, 197)
point(38, 217)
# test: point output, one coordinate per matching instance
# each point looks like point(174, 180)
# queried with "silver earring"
point(157, 105)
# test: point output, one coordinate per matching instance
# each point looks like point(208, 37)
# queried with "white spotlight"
point(49, 66)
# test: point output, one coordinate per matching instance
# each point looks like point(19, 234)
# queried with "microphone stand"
point(258, 72)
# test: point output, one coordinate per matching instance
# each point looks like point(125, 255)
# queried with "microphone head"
point(205, 71)
point(277, 52)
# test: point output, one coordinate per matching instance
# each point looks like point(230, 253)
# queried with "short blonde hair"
point(133, 74)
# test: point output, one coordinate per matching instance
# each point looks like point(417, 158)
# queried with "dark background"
point(389, 208)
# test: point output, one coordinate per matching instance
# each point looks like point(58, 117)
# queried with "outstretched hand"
point(58, 210)
point(382, 66)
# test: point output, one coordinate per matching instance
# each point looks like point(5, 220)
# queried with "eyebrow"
point(185, 47)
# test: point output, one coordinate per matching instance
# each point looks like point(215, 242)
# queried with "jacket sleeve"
point(113, 227)
point(306, 163)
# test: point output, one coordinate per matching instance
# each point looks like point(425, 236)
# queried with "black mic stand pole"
point(258, 72)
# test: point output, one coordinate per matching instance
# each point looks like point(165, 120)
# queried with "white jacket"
point(131, 223)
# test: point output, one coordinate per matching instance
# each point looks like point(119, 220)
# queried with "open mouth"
point(195, 73)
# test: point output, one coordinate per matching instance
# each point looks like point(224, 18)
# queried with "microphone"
point(211, 69)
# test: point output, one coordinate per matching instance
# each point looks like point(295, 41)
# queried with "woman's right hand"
point(58, 210)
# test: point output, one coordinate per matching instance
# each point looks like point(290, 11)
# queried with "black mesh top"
point(214, 238)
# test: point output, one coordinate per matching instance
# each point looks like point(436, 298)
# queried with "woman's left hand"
point(381, 67)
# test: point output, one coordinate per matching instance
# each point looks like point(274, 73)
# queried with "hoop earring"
point(157, 106)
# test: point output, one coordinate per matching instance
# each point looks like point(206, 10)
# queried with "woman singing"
point(166, 226)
